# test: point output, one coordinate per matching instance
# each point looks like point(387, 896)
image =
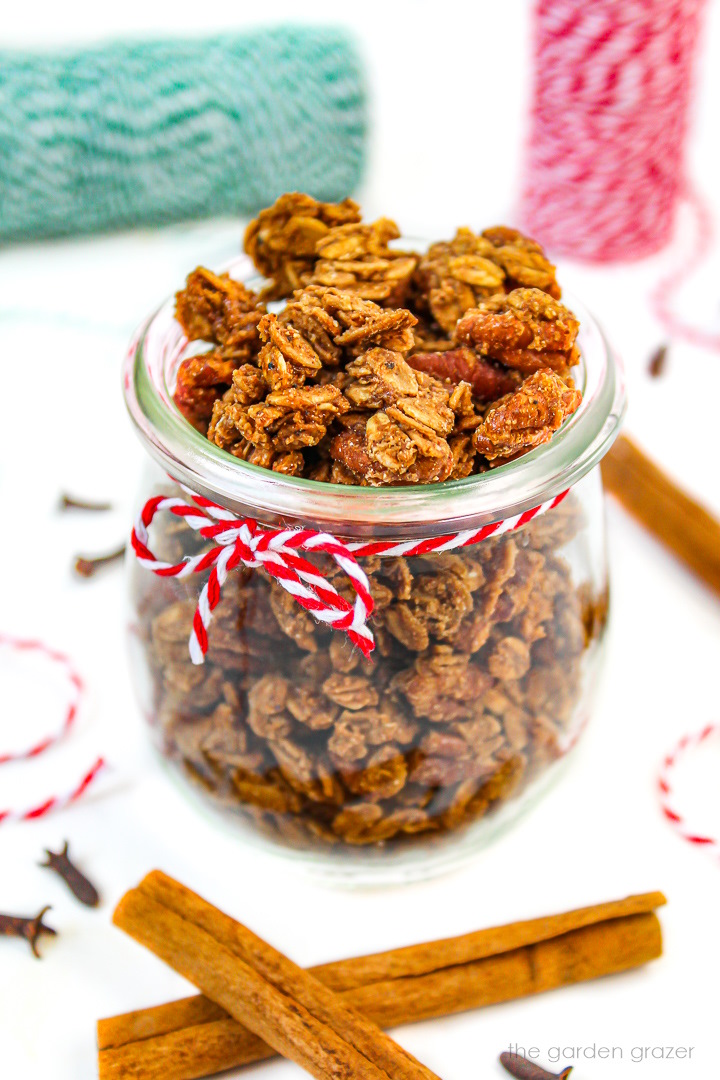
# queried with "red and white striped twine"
point(605, 150)
point(76, 691)
point(605, 154)
point(667, 801)
point(55, 802)
point(276, 551)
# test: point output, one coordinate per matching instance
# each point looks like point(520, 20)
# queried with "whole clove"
point(86, 566)
point(522, 1069)
point(69, 502)
point(658, 361)
point(80, 886)
point(28, 928)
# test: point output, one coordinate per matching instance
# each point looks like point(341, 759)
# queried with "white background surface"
point(449, 87)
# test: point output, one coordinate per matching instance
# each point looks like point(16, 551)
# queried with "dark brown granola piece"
point(216, 308)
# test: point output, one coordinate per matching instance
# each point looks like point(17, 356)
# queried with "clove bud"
point(86, 566)
point(522, 1069)
point(69, 502)
point(30, 929)
point(75, 880)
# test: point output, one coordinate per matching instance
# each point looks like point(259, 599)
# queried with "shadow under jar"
point(486, 656)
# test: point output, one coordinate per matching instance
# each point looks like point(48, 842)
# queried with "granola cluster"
point(471, 695)
point(384, 367)
point(380, 367)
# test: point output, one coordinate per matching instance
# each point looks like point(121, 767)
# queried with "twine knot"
point(237, 541)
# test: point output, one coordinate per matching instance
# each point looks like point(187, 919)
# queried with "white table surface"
point(66, 311)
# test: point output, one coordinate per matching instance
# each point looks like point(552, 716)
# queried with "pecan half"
point(527, 330)
point(527, 418)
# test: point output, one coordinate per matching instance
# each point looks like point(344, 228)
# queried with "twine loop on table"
point(668, 804)
point(242, 541)
point(76, 691)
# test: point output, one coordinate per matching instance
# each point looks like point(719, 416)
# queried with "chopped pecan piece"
point(311, 708)
point(443, 685)
point(488, 381)
point(527, 418)
point(201, 380)
point(527, 330)
point(350, 691)
point(282, 239)
point(355, 731)
point(510, 659)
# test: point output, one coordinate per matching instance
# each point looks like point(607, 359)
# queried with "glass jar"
point(486, 655)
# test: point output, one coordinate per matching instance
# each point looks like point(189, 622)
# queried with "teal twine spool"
point(154, 132)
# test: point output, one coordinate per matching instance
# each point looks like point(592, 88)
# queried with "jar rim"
point(402, 512)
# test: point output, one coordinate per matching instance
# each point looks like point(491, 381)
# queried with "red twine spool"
point(605, 154)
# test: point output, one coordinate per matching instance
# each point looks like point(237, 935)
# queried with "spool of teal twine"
point(154, 132)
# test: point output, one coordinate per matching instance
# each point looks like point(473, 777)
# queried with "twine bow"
point(242, 541)
point(276, 551)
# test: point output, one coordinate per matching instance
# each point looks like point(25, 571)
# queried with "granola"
point(282, 239)
point(471, 697)
point(351, 382)
point(455, 275)
point(356, 258)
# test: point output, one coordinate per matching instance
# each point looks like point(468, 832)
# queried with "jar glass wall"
point(480, 684)
point(486, 656)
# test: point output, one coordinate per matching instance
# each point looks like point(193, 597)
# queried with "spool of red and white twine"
point(605, 154)
point(75, 691)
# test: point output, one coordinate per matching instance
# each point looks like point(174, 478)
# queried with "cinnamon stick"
point(284, 1005)
point(668, 512)
point(194, 1037)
